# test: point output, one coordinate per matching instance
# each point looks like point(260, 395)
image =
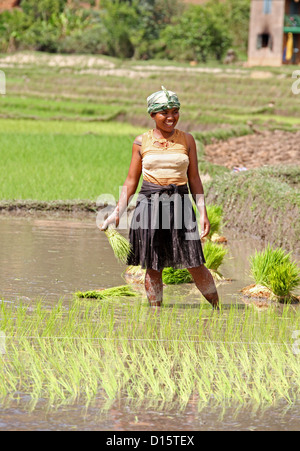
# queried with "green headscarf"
point(162, 100)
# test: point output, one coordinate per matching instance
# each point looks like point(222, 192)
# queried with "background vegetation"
point(139, 29)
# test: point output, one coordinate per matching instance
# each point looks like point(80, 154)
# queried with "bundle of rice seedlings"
point(120, 246)
point(214, 255)
point(273, 269)
point(108, 293)
point(215, 216)
point(171, 276)
point(284, 279)
point(134, 274)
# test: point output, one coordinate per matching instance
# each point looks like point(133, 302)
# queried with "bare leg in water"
point(206, 285)
point(202, 278)
point(154, 287)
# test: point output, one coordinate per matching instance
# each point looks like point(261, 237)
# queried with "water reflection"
point(122, 415)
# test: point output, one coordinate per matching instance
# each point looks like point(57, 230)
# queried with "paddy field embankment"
point(68, 122)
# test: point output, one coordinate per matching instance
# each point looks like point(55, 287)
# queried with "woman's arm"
point(130, 184)
point(196, 186)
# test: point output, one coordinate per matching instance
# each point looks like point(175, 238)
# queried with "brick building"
point(274, 27)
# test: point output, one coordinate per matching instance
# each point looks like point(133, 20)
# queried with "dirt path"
point(252, 151)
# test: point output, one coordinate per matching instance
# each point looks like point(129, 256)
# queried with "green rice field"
point(63, 160)
point(67, 122)
point(116, 349)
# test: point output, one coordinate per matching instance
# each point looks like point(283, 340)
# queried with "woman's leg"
point(206, 284)
point(154, 287)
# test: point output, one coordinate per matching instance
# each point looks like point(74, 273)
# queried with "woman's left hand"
point(205, 225)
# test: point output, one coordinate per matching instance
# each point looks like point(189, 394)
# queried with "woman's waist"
point(151, 191)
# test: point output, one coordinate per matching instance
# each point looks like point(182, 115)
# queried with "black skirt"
point(164, 231)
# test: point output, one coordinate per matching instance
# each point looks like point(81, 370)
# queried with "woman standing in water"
point(164, 230)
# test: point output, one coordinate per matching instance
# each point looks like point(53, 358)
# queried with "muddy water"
point(52, 258)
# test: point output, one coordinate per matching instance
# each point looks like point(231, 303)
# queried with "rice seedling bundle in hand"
point(120, 246)
point(215, 217)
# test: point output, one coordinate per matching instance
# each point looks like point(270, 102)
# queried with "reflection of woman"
point(167, 159)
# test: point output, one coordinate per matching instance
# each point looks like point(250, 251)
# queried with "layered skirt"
point(164, 231)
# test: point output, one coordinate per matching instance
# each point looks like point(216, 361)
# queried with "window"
point(267, 6)
point(264, 40)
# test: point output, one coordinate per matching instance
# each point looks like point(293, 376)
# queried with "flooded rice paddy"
point(53, 258)
point(49, 259)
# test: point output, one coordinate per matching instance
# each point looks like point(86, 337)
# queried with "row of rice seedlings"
point(274, 269)
point(170, 356)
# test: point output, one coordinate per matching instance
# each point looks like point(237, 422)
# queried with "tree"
point(198, 33)
point(42, 9)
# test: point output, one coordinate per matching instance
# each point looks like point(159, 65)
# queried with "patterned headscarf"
point(162, 100)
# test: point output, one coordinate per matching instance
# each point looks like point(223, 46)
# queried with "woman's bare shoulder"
point(138, 140)
point(189, 137)
point(190, 140)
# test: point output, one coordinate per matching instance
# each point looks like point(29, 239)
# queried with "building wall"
point(266, 24)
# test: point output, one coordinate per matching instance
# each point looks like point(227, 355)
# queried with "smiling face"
point(166, 120)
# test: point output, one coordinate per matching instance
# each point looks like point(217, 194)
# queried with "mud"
point(253, 151)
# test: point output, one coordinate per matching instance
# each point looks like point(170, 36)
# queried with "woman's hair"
point(162, 100)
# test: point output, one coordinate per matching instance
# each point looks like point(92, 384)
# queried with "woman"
point(164, 230)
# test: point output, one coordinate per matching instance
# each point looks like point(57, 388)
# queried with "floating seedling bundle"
point(108, 293)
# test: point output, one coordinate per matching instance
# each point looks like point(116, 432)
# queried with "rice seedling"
point(94, 349)
point(274, 270)
point(134, 274)
point(108, 293)
point(120, 245)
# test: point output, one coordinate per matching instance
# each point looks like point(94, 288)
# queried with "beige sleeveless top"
point(165, 161)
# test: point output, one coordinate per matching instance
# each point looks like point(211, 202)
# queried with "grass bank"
point(263, 202)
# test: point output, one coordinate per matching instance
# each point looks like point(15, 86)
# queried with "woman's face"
point(166, 120)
